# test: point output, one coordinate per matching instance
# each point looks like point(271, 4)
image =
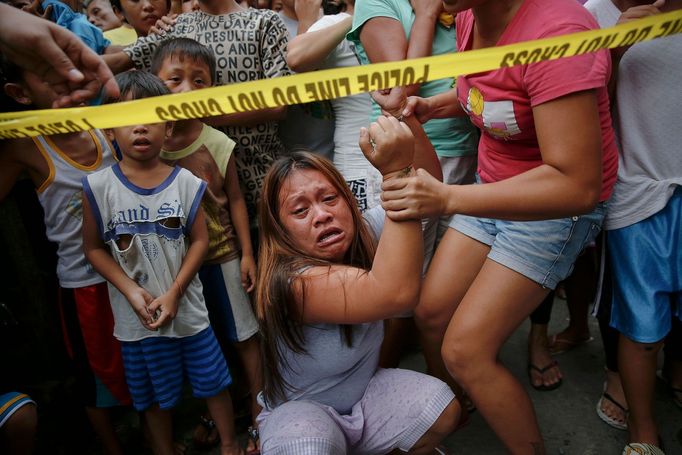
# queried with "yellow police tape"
point(330, 84)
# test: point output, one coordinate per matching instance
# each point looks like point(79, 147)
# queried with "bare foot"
point(543, 371)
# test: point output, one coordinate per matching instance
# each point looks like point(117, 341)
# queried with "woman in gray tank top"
point(324, 289)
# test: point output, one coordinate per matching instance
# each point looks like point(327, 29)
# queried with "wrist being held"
point(388, 144)
point(408, 171)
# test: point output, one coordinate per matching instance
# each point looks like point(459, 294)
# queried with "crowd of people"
point(311, 239)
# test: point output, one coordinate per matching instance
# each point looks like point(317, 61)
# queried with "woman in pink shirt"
point(547, 164)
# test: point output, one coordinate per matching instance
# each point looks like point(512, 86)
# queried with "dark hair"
point(183, 47)
point(10, 72)
point(280, 264)
point(139, 84)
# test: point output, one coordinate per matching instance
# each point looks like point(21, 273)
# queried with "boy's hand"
point(388, 144)
point(164, 308)
point(248, 269)
point(140, 300)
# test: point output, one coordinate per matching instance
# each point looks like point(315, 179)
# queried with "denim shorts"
point(543, 251)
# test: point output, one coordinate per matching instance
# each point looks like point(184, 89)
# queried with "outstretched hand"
point(388, 144)
point(72, 70)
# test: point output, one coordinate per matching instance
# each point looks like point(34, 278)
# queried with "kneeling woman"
point(323, 292)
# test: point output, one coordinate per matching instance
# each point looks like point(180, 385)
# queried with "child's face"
point(181, 73)
point(143, 14)
point(141, 142)
point(101, 15)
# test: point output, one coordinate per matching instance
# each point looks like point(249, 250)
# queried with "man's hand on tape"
point(70, 68)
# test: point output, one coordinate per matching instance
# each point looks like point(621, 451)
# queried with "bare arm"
point(307, 13)
point(443, 105)
point(424, 154)
point(308, 51)
point(97, 254)
point(347, 295)
point(384, 40)
point(168, 302)
point(240, 220)
point(118, 62)
point(567, 183)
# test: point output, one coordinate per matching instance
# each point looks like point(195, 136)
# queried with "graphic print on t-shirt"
point(497, 117)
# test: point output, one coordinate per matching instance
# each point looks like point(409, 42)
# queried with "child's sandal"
point(211, 438)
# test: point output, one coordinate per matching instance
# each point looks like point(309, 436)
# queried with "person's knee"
point(448, 420)
point(429, 316)
point(634, 347)
point(301, 427)
point(461, 360)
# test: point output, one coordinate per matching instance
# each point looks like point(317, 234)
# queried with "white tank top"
point(153, 225)
point(61, 196)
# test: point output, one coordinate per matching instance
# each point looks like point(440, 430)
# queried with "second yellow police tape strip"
point(331, 84)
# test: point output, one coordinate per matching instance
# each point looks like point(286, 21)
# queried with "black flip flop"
point(542, 387)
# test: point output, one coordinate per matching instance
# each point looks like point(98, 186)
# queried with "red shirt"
point(500, 102)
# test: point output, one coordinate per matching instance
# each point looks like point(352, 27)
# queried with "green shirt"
point(451, 137)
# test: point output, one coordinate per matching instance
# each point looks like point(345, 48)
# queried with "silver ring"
point(373, 145)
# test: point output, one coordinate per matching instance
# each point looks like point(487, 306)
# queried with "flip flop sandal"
point(559, 345)
point(542, 371)
point(608, 419)
point(640, 448)
point(208, 425)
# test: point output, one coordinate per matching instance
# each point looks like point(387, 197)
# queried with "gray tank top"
point(331, 372)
